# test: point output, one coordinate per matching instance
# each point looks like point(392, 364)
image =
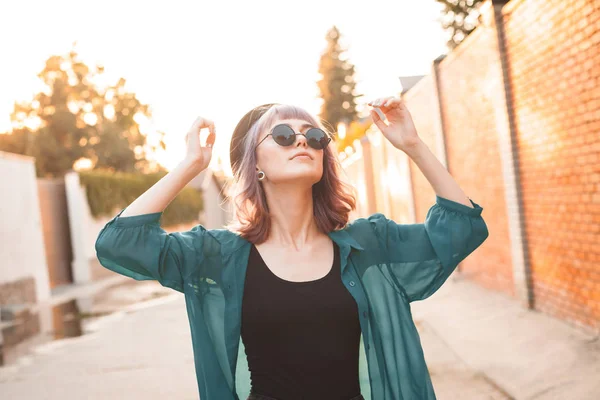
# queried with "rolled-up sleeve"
point(422, 256)
point(137, 247)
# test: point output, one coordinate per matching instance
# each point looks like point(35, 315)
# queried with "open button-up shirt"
point(384, 265)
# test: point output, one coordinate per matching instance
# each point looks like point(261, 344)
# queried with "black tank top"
point(301, 338)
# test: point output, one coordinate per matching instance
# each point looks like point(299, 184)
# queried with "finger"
point(374, 103)
point(196, 125)
point(384, 101)
point(200, 123)
point(377, 120)
point(192, 139)
point(380, 101)
point(388, 101)
point(210, 140)
point(211, 126)
point(392, 102)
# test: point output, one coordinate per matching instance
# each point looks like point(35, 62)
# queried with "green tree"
point(74, 118)
point(337, 85)
point(459, 18)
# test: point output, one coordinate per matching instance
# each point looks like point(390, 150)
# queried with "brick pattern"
point(470, 90)
point(552, 68)
point(553, 49)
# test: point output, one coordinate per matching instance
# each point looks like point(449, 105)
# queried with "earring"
point(261, 175)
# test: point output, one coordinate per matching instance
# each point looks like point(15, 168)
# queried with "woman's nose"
point(301, 140)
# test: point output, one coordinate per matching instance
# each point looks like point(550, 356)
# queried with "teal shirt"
point(384, 265)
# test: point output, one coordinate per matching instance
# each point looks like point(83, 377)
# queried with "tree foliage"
point(459, 18)
point(75, 117)
point(354, 131)
point(337, 85)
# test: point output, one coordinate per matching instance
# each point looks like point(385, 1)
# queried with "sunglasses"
point(284, 135)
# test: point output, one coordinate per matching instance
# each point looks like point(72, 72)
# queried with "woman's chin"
point(300, 174)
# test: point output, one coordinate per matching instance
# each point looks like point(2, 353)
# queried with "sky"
point(217, 59)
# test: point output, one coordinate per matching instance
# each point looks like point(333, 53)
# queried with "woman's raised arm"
point(197, 158)
point(134, 244)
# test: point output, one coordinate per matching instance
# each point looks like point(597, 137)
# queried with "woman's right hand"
point(196, 154)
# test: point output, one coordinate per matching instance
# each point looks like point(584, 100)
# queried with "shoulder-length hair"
point(333, 199)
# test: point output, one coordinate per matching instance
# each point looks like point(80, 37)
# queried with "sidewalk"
point(525, 354)
point(478, 345)
point(142, 351)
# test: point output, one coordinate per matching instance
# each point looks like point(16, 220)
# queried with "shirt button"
point(365, 314)
point(351, 283)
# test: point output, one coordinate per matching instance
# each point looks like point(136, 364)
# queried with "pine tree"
point(337, 85)
point(459, 18)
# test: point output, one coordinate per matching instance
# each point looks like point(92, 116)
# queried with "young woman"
point(291, 300)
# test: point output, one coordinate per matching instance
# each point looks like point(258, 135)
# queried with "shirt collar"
point(341, 237)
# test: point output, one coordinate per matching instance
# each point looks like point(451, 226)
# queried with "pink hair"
point(333, 199)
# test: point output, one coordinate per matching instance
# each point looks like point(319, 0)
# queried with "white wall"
point(216, 210)
point(22, 252)
point(84, 228)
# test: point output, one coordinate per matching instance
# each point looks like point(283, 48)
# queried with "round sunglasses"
point(284, 135)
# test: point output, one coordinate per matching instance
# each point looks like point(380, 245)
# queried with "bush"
point(107, 191)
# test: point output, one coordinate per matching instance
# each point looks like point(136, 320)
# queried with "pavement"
point(478, 345)
point(141, 351)
point(523, 353)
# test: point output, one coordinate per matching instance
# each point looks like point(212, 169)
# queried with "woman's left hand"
point(400, 131)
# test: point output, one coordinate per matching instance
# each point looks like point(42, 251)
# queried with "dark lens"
point(284, 135)
point(317, 138)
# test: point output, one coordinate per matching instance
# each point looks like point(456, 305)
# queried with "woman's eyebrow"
point(307, 126)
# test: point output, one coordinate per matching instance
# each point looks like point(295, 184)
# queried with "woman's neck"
point(292, 218)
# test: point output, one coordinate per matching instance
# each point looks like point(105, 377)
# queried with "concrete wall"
point(23, 269)
point(56, 230)
point(217, 212)
point(84, 232)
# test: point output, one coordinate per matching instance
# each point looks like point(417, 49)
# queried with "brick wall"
point(470, 87)
point(520, 123)
point(553, 49)
point(514, 114)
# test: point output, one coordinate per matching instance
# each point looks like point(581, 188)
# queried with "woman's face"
point(279, 162)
